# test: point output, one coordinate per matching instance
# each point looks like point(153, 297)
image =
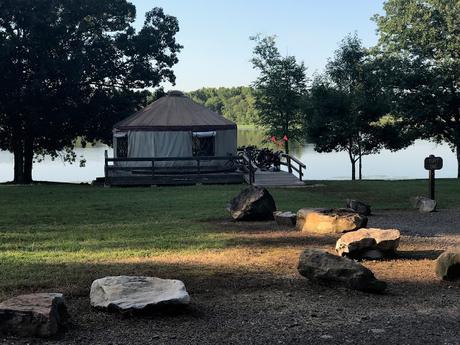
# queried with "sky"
point(215, 34)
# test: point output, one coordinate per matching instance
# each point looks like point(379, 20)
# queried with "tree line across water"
point(71, 70)
point(234, 103)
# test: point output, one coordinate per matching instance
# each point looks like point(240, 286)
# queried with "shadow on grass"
point(207, 280)
point(228, 225)
point(75, 279)
point(282, 240)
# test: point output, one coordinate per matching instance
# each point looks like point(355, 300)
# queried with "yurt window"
point(203, 143)
point(122, 145)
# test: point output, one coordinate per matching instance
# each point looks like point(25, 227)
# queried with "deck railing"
point(232, 162)
point(291, 162)
point(299, 167)
point(241, 161)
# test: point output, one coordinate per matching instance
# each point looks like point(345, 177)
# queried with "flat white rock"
point(136, 293)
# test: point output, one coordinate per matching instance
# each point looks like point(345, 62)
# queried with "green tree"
point(235, 103)
point(71, 69)
point(347, 106)
point(420, 43)
point(280, 90)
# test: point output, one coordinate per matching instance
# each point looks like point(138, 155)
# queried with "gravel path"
point(443, 222)
point(269, 307)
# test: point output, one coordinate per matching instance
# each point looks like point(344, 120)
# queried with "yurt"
point(175, 126)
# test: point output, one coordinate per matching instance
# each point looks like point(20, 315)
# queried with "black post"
point(105, 163)
point(288, 158)
point(432, 163)
point(153, 169)
point(432, 179)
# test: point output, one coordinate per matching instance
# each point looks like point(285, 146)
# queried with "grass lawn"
point(64, 236)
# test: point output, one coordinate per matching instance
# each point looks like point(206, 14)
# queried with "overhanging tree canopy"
point(420, 45)
point(68, 68)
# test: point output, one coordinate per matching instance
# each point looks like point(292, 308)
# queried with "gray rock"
point(329, 221)
point(368, 243)
point(253, 203)
point(427, 205)
point(33, 315)
point(285, 218)
point(424, 204)
point(448, 265)
point(131, 293)
point(360, 207)
point(321, 266)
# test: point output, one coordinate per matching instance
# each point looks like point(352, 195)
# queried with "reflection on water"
point(404, 164)
point(248, 137)
point(257, 137)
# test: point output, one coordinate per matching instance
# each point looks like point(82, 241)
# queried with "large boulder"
point(285, 218)
point(137, 294)
point(424, 204)
point(329, 221)
point(368, 243)
point(253, 203)
point(359, 206)
point(33, 315)
point(448, 265)
point(321, 266)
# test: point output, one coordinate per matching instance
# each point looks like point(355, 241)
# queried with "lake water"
point(404, 164)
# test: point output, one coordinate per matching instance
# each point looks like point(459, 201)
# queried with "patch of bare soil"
point(251, 293)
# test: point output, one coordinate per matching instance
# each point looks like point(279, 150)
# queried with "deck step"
point(276, 178)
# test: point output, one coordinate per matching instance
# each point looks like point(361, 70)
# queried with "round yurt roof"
point(174, 112)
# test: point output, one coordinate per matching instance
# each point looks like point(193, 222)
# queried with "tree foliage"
point(420, 46)
point(70, 69)
point(234, 103)
point(280, 90)
point(347, 106)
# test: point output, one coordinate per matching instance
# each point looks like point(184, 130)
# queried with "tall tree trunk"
point(353, 170)
point(458, 159)
point(352, 160)
point(360, 168)
point(28, 159)
point(18, 153)
point(360, 159)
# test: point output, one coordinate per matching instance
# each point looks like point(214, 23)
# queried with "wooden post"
point(300, 172)
point(288, 159)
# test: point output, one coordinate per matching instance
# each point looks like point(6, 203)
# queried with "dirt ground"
point(252, 293)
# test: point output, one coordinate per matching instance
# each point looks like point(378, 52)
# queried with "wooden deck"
point(178, 179)
point(276, 179)
point(233, 169)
